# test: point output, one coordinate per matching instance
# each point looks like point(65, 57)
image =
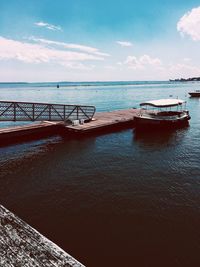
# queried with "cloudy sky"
point(87, 40)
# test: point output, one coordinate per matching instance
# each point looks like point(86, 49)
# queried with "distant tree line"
point(186, 80)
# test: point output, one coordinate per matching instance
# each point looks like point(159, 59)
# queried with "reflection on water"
point(159, 137)
point(24, 150)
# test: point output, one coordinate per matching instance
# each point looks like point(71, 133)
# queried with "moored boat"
point(195, 93)
point(166, 113)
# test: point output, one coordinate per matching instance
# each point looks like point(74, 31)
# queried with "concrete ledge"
point(21, 245)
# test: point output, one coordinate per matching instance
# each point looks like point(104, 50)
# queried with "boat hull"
point(194, 94)
point(149, 123)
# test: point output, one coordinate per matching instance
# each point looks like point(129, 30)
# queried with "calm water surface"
point(118, 199)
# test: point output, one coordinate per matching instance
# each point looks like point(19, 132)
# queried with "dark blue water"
point(118, 199)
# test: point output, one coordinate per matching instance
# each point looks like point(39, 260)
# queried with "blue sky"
point(83, 40)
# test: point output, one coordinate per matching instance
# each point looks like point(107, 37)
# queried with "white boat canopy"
point(161, 103)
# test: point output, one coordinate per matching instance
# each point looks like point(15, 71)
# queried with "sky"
point(88, 40)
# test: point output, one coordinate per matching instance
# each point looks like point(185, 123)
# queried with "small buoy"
point(58, 85)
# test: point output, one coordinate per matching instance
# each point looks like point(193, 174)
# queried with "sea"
point(114, 199)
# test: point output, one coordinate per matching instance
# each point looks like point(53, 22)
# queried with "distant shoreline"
point(79, 84)
point(88, 82)
point(193, 79)
point(66, 84)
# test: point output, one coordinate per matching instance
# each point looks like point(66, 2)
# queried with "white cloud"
point(83, 48)
point(38, 53)
point(183, 70)
point(133, 62)
point(124, 43)
point(48, 26)
point(189, 24)
point(141, 62)
point(147, 60)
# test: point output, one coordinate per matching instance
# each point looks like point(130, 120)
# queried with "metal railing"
point(27, 111)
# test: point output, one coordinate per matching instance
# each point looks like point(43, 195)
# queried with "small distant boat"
point(167, 113)
point(195, 93)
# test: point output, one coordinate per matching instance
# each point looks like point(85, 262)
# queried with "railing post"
point(50, 112)
point(14, 111)
point(33, 111)
point(77, 112)
point(64, 113)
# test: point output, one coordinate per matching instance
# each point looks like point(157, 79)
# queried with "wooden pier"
point(101, 122)
point(21, 245)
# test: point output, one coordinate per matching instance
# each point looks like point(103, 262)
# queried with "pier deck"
point(102, 121)
point(28, 132)
point(106, 120)
point(21, 245)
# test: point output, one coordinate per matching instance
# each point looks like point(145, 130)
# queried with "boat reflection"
point(158, 138)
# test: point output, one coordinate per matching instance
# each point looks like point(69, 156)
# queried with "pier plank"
point(29, 132)
point(30, 127)
point(106, 119)
point(22, 245)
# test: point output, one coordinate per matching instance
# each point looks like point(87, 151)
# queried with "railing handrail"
point(37, 111)
point(41, 103)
